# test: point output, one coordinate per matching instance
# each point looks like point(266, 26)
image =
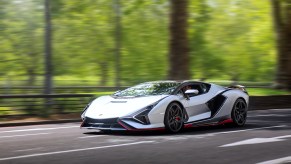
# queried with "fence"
point(58, 90)
point(42, 105)
point(270, 102)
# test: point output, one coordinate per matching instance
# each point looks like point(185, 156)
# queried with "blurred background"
point(99, 46)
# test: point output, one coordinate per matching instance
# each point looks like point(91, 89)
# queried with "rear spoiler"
point(239, 87)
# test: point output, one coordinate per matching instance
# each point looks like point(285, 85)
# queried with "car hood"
point(110, 107)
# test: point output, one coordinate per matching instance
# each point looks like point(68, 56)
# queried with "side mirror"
point(115, 93)
point(191, 91)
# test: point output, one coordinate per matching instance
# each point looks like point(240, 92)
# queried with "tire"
point(239, 113)
point(173, 119)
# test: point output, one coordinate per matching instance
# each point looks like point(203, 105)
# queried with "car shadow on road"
point(192, 131)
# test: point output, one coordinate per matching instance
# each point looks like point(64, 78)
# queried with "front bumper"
point(118, 124)
point(102, 124)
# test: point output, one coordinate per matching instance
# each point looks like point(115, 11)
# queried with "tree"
point(202, 60)
point(179, 50)
point(47, 53)
point(118, 29)
point(282, 25)
point(22, 38)
point(228, 39)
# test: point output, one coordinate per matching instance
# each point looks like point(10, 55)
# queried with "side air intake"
point(215, 104)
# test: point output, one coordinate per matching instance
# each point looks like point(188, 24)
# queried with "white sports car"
point(170, 105)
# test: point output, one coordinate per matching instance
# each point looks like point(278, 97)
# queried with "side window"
point(180, 92)
point(202, 88)
point(205, 87)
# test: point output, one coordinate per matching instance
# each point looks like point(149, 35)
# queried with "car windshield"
point(149, 88)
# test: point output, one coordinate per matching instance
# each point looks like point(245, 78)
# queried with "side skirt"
point(209, 122)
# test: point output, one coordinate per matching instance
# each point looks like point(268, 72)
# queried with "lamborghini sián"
point(169, 105)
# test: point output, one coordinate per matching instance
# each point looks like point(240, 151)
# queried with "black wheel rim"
point(240, 112)
point(175, 118)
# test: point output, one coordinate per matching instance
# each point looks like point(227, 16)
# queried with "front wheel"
point(174, 118)
point(239, 112)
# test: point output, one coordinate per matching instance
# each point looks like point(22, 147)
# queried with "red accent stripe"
point(188, 126)
point(124, 126)
point(158, 129)
point(206, 124)
point(227, 121)
point(82, 124)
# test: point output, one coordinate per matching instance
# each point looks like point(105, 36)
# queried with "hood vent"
point(118, 101)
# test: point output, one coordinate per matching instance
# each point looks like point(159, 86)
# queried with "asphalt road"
point(265, 138)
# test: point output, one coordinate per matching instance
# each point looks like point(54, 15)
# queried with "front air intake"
point(143, 117)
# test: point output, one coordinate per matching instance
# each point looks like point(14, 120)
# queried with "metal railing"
point(37, 104)
point(59, 89)
point(270, 102)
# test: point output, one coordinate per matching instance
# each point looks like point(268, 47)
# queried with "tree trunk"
point(31, 77)
point(118, 27)
point(47, 59)
point(279, 30)
point(47, 53)
point(282, 25)
point(288, 44)
point(104, 72)
point(179, 50)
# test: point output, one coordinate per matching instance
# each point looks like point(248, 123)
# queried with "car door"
point(196, 106)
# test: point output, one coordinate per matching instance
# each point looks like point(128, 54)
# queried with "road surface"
point(266, 138)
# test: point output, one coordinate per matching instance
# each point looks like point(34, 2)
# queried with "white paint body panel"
point(109, 107)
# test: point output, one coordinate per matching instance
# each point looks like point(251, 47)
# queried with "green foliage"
point(266, 92)
point(229, 40)
point(233, 39)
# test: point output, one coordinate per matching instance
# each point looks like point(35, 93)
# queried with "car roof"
point(177, 81)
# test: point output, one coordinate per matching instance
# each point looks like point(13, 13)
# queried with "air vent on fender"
point(215, 104)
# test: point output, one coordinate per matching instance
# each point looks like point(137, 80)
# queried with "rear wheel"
point(239, 112)
point(174, 118)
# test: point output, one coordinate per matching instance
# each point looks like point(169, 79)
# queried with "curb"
point(39, 122)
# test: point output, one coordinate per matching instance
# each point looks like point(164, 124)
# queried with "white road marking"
point(277, 161)
point(75, 150)
point(280, 109)
point(270, 115)
point(255, 111)
point(236, 131)
point(257, 141)
point(38, 129)
point(183, 137)
point(23, 150)
point(92, 136)
point(175, 138)
point(24, 135)
point(282, 137)
point(119, 140)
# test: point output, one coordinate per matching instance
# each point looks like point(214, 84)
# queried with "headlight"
point(84, 111)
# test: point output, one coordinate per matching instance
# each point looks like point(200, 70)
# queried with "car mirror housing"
point(115, 93)
point(192, 91)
